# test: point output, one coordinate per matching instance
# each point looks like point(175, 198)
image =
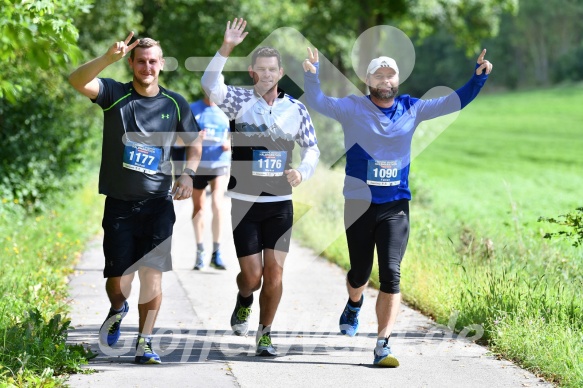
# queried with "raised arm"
point(470, 90)
point(315, 98)
point(84, 78)
point(211, 80)
point(428, 109)
point(234, 34)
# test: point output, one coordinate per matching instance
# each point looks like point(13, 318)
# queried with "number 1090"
point(385, 172)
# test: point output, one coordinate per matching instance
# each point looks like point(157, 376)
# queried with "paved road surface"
point(200, 349)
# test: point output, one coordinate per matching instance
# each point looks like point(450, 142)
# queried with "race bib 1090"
point(383, 173)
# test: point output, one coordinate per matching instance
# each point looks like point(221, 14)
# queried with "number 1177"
point(144, 159)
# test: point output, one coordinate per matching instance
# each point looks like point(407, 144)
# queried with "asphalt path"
point(198, 348)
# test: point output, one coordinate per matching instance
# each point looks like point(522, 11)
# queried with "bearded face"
point(383, 84)
point(384, 93)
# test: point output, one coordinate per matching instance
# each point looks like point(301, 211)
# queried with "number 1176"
point(269, 163)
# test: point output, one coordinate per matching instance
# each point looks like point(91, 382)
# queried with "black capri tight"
point(385, 226)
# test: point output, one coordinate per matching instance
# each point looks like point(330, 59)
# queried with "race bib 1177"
point(141, 157)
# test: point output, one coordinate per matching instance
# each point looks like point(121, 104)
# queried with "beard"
point(384, 95)
point(142, 83)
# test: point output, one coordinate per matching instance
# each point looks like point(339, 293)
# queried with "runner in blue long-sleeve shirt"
point(378, 129)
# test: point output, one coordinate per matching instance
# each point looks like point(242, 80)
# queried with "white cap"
point(379, 62)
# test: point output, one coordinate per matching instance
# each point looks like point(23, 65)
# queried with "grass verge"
point(476, 250)
point(38, 253)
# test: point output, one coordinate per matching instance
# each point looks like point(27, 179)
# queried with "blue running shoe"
point(145, 354)
point(199, 260)
point(217, 261)
point(110, 329)
point(383, 355)
point(349, 320)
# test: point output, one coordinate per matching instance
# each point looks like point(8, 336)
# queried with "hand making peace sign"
point(309, 62)
point(119, 49)
point(485, 65)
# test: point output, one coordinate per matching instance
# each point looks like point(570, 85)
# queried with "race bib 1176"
point(268, 163)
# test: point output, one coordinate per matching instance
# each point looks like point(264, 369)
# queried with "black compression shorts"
point(385, 226)
point(259, 226)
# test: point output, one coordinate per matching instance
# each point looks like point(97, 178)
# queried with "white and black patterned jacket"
point(255, 125)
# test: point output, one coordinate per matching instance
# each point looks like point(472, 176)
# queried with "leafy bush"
point(35, 34)
point(37, 345)
point(574, 223)
point(46, 141)
point(43, 142)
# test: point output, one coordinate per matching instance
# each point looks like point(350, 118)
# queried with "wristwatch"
point(190, 172)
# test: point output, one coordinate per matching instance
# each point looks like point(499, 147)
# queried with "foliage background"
point(50, 136)
point(43, 145)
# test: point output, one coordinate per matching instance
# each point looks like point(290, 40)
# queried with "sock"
point(146, 337)
point(200, 247)
point(385, 340)
point(216, 246)
point(381, 343)
point(117, 310)
point(356, 304)
point(246, 302)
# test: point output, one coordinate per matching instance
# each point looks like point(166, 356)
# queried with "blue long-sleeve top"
point(378, 142)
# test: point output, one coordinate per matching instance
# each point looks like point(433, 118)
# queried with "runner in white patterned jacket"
point(266, 124)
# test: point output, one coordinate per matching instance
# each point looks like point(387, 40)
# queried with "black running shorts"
point(259, 226)
point(205, 175)
point(137, 233)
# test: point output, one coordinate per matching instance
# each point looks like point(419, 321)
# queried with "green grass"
point(38, 252)
point(515, 154)
point(476, 248)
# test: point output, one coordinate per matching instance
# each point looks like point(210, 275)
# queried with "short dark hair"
point(146, 43)
point(265, 52)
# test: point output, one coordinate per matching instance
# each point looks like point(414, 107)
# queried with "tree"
point(106, 23)
point(43, 140)
point(35, 35)
point(469, 22)
point(545, 31)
